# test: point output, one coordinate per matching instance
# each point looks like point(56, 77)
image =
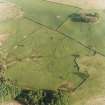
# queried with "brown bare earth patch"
point(11, 103)
point(96, 101)
point(86, 4)
point(92, 61)
point(3, 37)
point(66, 86)
point(9, 11)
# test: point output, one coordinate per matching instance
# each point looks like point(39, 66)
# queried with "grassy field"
point(37, 49)
point(51, 15)
point(88, 34)
point(42, 52)
point(46, 50)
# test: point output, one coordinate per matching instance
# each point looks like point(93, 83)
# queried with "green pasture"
point(44, 12)
point(42, 56)
point(43, 46)
point(90, 34)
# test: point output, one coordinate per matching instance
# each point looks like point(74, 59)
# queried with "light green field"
point(91, 35)
point(46, 13)
point(37, 50)
point(44, 56)
point(46, 49)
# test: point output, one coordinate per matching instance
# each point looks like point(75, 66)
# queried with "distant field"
point(85, 4)
point(51, 15)
point(88, 34)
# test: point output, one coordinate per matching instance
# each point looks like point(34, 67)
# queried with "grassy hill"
point(46, 50)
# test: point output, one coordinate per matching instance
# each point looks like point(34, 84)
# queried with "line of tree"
point(84, 17)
